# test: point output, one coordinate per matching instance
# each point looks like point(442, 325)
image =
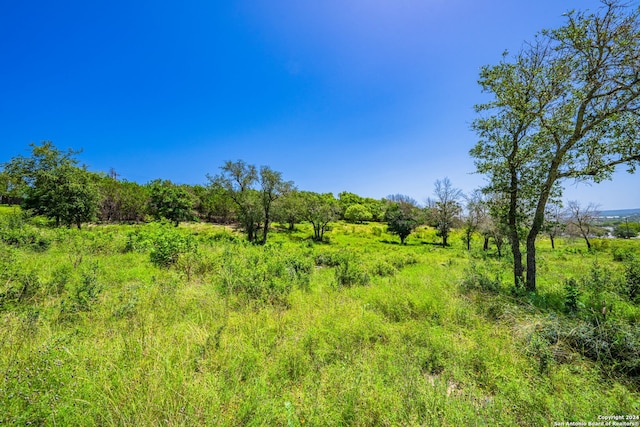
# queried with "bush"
point(632, 279)
point(168, 245)
point(263, 274)
point(620, 254)
point(15, 232)
point(349, 271)
point(572, 294)
point(474, 279)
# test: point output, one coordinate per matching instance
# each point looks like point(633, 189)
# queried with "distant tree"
point(170, 201)
point(272, 187)
point(402, 198)
point(319, 210)
point(238, 179)
point(376, 207)
point(565, 107)
point(446, 209)
point(253, 194)
point(475, 215)
point(555, 222)
point(50, 184)
point(402, 219)
point(289, 209)
point(582, 219)
point(346, 199)
point(357, 213)
point(5, 187)
point(626, 230)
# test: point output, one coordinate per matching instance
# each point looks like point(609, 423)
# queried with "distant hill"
point(620, 213)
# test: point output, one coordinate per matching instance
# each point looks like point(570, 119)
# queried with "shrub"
point(168, 245)
point(349, 271)
point(572, 293)
point(263, 274)
point(632, 279)
point(474, 279)
point(384, 269)
point(620, 254)
point(15, 232)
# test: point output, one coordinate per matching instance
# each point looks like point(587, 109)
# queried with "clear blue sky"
point(369, 96)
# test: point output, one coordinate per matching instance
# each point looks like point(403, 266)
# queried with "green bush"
point(263, 274)
point(474, 279)
point(15, 232)
point(349, 271)
point(167, 245)
point(620, 254)
point(632, 279)
point(571, 296)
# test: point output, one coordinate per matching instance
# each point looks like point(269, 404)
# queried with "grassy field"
point(156, 325)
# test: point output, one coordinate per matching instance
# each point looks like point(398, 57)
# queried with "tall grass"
point(291, 333)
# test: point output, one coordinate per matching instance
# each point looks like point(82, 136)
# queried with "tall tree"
point(566, 107)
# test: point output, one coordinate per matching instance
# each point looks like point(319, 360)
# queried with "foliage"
point(122, 201)
point(52, 185)
point(349, 271)
point(170, 201)
point(253, 194)
point(168, 246)
point(572, 296)
point(402, 219)
point(357, 213)
point(632, 279)
point(560, 110)
point(319, 210)
point(477, 279)
point(627, 230)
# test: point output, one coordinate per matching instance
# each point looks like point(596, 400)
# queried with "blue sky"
point(369, 96)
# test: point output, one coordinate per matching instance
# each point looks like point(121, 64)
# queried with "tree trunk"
point(553, 245)
point(265, 229)
point(514, 238)
point(586, 239)
point(485, 246)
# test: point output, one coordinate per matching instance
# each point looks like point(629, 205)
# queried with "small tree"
point(582, 220)
point(402, 218)
point(289, 209)
point(626, 229)
point(253, 194)
point(320, 210)
point(476, 213)
point(50, 184)
point(555, 222)
point(446, 208)
point(170, 201)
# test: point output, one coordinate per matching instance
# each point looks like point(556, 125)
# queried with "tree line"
point(51, 183)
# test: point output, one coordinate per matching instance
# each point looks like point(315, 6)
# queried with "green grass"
point(234, 334)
